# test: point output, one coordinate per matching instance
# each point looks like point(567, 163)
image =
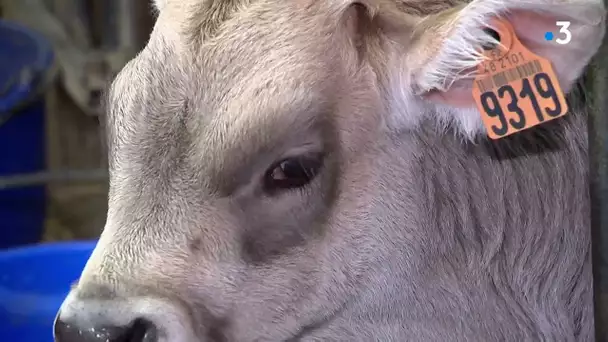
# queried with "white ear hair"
point(159, 4)
point(461, 51)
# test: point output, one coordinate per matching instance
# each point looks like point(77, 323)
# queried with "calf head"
point(244, 202)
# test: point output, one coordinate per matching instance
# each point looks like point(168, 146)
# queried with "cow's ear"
point(446, 46)
point(425, 63)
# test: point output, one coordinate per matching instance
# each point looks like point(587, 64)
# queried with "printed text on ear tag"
point(516, 89)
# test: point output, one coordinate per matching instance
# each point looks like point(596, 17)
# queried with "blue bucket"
point(34, 280)
point(26, 65)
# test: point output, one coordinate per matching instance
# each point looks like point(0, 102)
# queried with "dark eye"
point(292, 173)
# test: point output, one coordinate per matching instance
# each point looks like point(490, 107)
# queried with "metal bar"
point(596, 86)
point(41, 178)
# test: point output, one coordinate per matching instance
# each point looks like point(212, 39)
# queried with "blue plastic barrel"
point(34, 280)
point(26, 62)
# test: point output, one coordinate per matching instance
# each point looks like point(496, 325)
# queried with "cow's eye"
point(292, 173)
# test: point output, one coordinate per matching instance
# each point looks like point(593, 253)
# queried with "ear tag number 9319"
point(515, 89)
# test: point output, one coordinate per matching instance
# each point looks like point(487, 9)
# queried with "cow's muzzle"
point(90, 314)
point(139, 330)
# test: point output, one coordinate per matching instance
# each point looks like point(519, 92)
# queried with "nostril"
point(139, 331)
point(142, 331)
point(67, 332)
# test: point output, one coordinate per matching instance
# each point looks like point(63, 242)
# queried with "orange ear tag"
point(516, 89)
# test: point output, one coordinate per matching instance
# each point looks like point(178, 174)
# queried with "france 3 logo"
point(564, 32)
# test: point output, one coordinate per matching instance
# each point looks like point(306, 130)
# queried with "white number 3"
point(564, 29)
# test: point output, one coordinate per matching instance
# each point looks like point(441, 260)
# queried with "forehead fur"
point(259, 74)
point(225, 73)
point(426, 7)
point(181, 101)
point(203, 18)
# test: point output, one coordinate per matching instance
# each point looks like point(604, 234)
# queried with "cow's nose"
point(92, 313)
point(138, 331)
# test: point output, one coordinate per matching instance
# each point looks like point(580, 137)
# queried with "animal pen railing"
point(595, 83)
point(92, 39)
